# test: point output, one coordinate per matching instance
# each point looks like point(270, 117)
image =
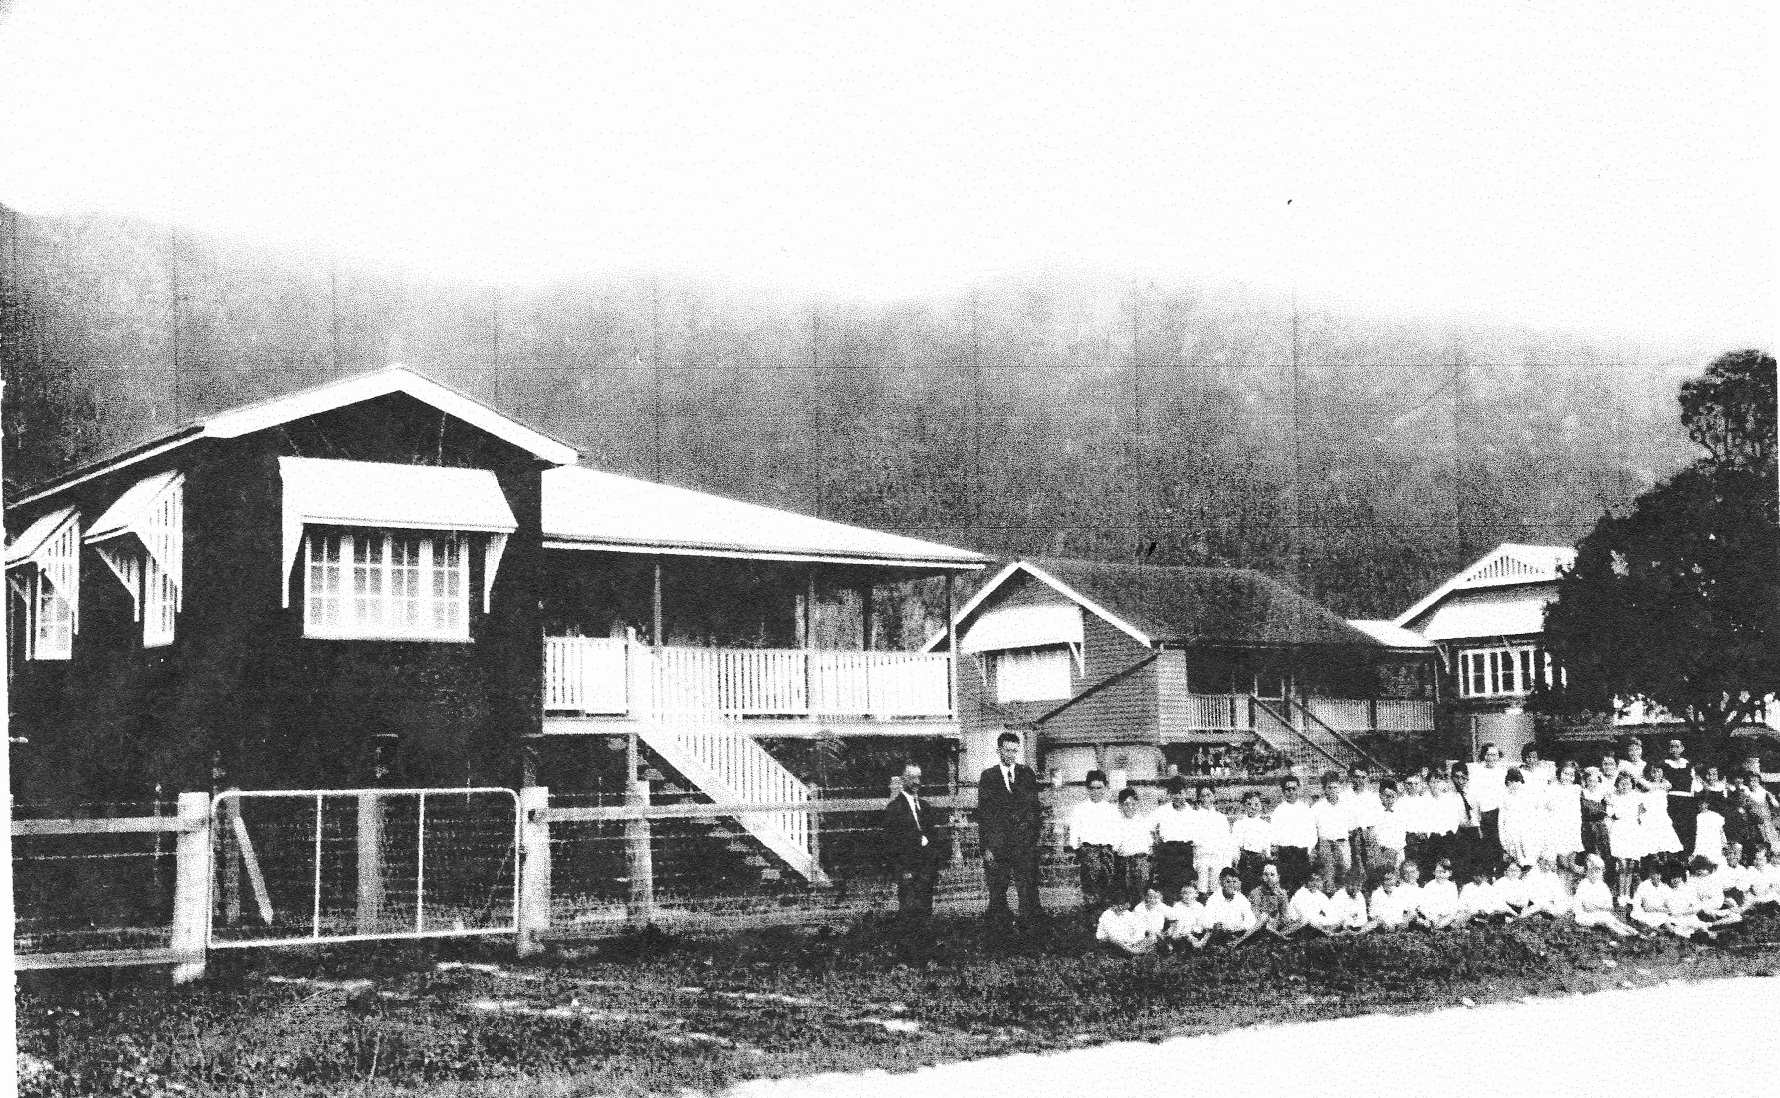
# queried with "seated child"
point(1764, 882)
point(1392, 904)
point(1226, 915)
point(1514, 891)
point(1546, 891)
point(1711, 903)
point(1271, 906)
point(1347, 908)
point(1480, 902)
point(1155, 913)
point(1184, 921)
point(1684, 907)
point(1310, 904)
point(1122, 930)
point(1438, 906)
point(1593, 902)
point(1650, 903)
point(1732, 875)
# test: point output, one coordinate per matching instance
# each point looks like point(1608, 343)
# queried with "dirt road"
point(1574, 1045)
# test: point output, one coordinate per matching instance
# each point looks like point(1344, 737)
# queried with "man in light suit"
point(914, 845)
point(1008, 823)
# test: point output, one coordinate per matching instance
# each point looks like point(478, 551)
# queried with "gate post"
point(534, 869)
point(370, 861)
point(640, 859)
point(226, 811)
point(191, 886)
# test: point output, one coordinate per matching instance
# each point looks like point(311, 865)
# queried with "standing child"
point(1391, 832)
point(1250, 833)
point(1662, 844)
point(1131, 847)
point(1292, 830)
point(1521, 823)
point(1708, 830)
point(1215, 849)
point(1593, 906)
point(1625, 833)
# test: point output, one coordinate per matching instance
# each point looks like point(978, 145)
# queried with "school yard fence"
point(167, 883)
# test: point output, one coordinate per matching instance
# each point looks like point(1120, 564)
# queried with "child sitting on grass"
point(1272, 907)
point(1122, 930)
point(1226, 917)
point(1593, 902)
point(1764, 882)
point(1184, 921)
point(1479, 902)
point(1546, 890)
point(1711, 902)
point(1438, 906)
point(1514, 892)
point(1392, 904)
point(1310, 905)
point(1685, 908)
point(1347, 908)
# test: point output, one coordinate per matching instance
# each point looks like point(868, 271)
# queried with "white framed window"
point(49, 618)
point(1503, 672)
point(1033, 674)
point(383, 584)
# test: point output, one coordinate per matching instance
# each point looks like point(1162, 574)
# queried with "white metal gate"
point(296, 867)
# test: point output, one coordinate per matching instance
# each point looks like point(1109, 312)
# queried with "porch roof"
point(590, 509)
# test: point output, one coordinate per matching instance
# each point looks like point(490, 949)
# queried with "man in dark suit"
point(914, 847)
point(1008, 822)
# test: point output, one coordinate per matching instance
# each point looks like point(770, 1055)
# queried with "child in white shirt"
point(1480, 902)
point(1123, 930)
point(1214, 849)
point(1545, 890)
point(1347, 908)
point(1251, 835)
point(1227, 916)
point(1184, 921)
point(1764, 882)
point(1593, 906)
point(1514, 891)
point(1650, 903)
point(1438, 906)
point(1391, 906)
point(1310, 904)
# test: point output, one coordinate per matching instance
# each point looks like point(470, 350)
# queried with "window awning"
point(153, 509)
point(37, 537)
point(327, 492)
point(52, 543)
point(1490, 614)
point(1023, 627)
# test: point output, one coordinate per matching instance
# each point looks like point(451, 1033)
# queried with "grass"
point(655, 1014)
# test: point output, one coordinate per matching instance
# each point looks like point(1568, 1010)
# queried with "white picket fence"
point(601, 676)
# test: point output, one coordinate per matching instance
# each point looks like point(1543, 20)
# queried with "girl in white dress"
point(1708, 832)
point(1684, 907)
point(1662, 846)
point(1593, 903)
point(1520, 825)
point(1563, 814)
point(1625, 833)
point(1650, 904)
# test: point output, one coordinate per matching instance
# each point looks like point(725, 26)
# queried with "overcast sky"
point(1598, 167)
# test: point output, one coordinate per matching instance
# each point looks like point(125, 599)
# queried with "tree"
point(1677, 604)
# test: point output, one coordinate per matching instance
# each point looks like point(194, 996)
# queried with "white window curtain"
point(1033, 674)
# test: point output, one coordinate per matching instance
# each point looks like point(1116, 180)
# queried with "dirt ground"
point(1577, 1044)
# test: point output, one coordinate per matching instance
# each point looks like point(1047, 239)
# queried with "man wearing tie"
point(913, 846)
point(1008, 822)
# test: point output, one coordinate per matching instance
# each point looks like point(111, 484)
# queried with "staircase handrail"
point(1269, 710)
point(1364, 755)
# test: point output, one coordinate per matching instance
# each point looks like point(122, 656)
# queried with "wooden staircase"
point(1307, 740)
point(720, 760)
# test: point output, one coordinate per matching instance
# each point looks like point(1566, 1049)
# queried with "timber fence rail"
point(297, 868)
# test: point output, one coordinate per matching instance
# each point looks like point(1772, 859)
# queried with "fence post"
point(191, 888)
point(534, 869)
point(224, 826)
point(370, 861)
point(640, 859)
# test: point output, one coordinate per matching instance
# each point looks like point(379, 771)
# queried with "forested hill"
point(1033, 416)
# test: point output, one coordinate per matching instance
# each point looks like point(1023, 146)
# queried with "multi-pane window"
point(1033, 674)
point(374, 583)
point(52, 621)
point(160, 603)
point(1497, 672)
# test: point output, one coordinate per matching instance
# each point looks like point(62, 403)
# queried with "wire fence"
point(306, 867)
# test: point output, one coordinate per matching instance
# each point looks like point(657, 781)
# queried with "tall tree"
point(1677, 604)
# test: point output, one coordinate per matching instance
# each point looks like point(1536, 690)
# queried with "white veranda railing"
point(617, 676)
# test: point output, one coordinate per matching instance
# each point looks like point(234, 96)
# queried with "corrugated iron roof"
point(1489, 613)
point(1508, 564)
point(591, 509)
point(1389, 634)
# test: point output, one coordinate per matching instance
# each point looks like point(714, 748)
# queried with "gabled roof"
point(34, 536)
point(591, 509)
point(273, 412)
point(1179, 606)
point(1507, 565)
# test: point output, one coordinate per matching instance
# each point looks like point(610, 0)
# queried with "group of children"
point(1499, 844)
point(1701, 902)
